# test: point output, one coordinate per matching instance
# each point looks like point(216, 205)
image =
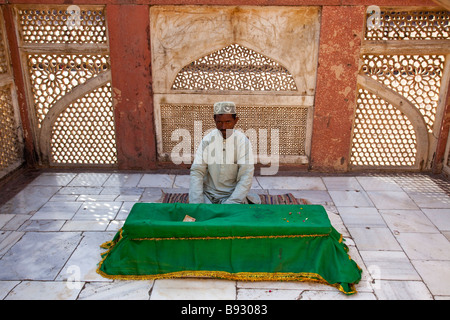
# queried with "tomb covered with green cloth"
point(245, 242)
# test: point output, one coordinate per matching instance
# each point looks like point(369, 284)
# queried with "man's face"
point(224, 122)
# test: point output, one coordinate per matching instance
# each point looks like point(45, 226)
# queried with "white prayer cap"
point(224, 107)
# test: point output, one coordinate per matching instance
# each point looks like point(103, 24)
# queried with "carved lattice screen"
point(411, 25)
point(263, 58)
point(384, 135)
point(235, 68)
point(290, 121)
point(239, 69)
point(11, 153)
point(66, 50)
point(417, 78)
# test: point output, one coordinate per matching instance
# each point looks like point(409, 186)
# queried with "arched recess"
point(64, 53)
point(405, 62)
point(266, 65)
point(408, 109)
point(238, 73)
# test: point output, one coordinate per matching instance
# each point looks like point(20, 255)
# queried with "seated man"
point(223, 168)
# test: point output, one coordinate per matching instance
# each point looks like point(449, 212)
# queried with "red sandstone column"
point(438, 161)
point(129, 42)
point(29, 148)
point(341, 34)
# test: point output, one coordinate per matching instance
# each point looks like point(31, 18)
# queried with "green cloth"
point(230, 241)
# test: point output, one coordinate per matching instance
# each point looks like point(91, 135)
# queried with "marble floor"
point(396, 226)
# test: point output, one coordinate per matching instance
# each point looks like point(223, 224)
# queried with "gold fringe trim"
point(235, 237)
point(240, 276)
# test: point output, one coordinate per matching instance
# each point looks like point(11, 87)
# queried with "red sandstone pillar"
point(438, 161)
point(29, 148)
point(129, 42)
point(341, 34)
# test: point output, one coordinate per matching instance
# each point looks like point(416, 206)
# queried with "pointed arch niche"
point(250, 55)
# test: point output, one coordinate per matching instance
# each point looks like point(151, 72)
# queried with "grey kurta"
point(223, 169)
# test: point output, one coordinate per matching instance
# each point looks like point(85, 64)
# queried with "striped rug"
point(287, 198)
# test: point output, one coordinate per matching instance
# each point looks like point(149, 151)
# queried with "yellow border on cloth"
point(239, 276)
point(235, 237)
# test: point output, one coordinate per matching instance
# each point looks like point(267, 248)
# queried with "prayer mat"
point(287, 198)
point(248, 242)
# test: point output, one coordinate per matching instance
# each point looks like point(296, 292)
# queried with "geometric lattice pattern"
point(9, 141)
point(234, 68)
point(291, 122)
point(415, 77)
point(411, 25)
point(382, 134)
point(58, 25)
point(84, 133)
point(54, 75)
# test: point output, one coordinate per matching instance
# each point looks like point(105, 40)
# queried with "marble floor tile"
point(435, 274)
point(29, 200)
point(97, 197)
point(38, 255)
point(89, 180)
point(82, 265)
point(408, 221)
point(431, 199)
point(125, 210)
point(4, 218)
point(64, 197)
point(57, 211)
point(16, 222)
point(193, 289)
point(402, 290)
point(417, 183)
point(342, 183)
point(100, 211)
point(53, 179)
point(313, 196)
point(115, 225)
point(439, 217)
point(298, 286)
point(43, 290)
point(117, 290)
point(8, 239)
point(389, 265)
point(425, 246)
point(157, 181)
point(267, 294)
point(42, 225)
point(124, 191)
point(298, 183)
point(391, 200)
point(80, 190)
point(85, 225)
point(361, 217)
point(370, 239)
point(152, 195)
point(123, 180)
point(6, 287)
point(181, 181)
point(335, 295)
point(350, 199)
point(379, 184)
